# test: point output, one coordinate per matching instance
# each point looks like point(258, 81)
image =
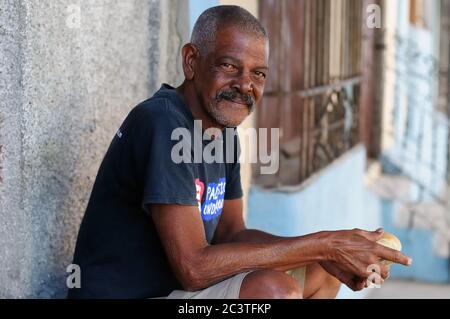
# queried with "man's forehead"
point(235, 33)
point(240, 44)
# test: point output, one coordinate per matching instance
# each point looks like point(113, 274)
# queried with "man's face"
point(230, 79)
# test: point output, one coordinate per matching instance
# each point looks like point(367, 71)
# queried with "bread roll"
point(391, 241)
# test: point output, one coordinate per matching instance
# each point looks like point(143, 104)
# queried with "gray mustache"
point(231, 95)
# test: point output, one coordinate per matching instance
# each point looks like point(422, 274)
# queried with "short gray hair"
point(219, 17)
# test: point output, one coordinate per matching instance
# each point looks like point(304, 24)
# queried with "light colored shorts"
point(229, 288)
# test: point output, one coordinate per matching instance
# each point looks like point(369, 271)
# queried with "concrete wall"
point(70, 71)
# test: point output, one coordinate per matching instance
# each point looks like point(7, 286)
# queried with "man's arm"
point(197, 264)
point(231, 228)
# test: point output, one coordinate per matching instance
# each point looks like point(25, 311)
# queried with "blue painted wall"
point(418, 244)
point(334, 199)
point(196, 7)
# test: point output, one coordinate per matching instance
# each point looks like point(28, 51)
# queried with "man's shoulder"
point(159, 110)
point(152, 106)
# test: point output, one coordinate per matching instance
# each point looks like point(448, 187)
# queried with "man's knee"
point(329, 288)
point(270, 284)
point(333, 285)
point(320, 284)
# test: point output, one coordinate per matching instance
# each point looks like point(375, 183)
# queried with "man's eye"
point(228, 66)
point(260, 74)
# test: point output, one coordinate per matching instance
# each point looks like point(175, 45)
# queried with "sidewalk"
point(410, 290)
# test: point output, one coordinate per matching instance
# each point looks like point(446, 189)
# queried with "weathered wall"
point(70, 71)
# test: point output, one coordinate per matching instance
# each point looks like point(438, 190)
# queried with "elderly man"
point(157, 226)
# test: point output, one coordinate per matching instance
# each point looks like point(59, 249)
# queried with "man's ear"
point(190, 57)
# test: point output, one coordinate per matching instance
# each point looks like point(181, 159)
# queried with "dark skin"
point(239, 61)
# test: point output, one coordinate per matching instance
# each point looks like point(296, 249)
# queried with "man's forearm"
point(254, 236)
point(259, 236)
point(217, 262)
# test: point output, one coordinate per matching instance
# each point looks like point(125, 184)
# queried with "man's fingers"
point(345, 278)
point(356, 268)
point(350, 281)
point(384, 271)
point(338, 273)
point(371, 235)
point(393, 255)
point(379, 268)
point(361, 270)
point(357, 284)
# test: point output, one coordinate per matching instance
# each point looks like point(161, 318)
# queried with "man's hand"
point(353, 282)
point(353, 251)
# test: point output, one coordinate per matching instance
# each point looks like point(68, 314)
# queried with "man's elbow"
point(191, 275)
point(192, 284)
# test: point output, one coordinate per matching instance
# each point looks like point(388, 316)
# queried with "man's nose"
point(243, 83)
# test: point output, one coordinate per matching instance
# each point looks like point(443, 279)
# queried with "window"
point(419, 13)
point(313, 87)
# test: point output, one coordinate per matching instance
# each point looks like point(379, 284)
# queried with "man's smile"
point(236, 104)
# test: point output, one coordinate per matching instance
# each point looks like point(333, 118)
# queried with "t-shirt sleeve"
point(233, 188)
point(165, 180)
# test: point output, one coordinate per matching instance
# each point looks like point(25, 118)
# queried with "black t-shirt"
point(118, 249)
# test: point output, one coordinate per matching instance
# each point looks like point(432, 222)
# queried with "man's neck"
point(193, 103)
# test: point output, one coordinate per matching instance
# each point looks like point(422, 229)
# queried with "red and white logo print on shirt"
point(199, 188)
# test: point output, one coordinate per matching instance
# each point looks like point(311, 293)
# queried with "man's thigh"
point(226, 289)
